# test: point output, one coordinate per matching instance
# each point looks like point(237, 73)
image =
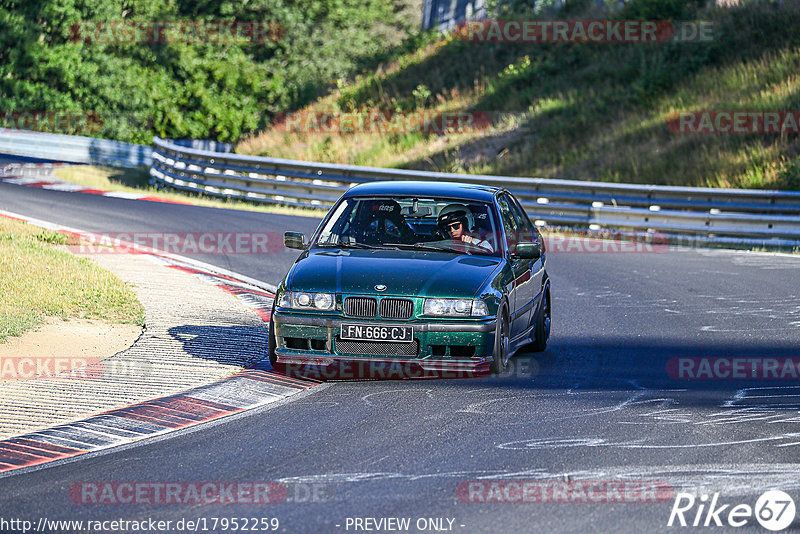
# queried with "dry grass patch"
point(37, 280)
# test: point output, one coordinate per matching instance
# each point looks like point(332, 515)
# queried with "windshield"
point(426, 224)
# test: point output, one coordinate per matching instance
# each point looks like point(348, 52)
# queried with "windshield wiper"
point(424, 246)
point(353, 244)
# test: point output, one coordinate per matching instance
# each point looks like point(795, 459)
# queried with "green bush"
point(198, 90)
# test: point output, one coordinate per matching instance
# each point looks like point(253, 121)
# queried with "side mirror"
point(528, 251)
point(294, 240)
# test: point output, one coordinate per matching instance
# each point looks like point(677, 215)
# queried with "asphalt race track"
point(600, 405)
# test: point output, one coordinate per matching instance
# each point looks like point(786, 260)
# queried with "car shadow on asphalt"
point(229, 345)
point(571, 363)
point(575, 363)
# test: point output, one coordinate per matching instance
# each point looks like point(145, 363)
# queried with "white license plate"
point(375, 332)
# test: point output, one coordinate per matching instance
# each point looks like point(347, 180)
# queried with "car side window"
point(528, 232)
point(337, 224)
point(510, 223)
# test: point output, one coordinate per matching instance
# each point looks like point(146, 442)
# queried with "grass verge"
point(37, 280)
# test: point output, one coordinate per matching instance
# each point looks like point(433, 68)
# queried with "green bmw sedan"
point(427, 278)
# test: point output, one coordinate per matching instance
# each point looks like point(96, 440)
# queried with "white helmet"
point(455, 212)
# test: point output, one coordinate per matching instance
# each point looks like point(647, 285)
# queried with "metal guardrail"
point(73, 149)
point(706, 214)
point(696, 211)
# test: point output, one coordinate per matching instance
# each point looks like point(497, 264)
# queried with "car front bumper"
point(440, 348)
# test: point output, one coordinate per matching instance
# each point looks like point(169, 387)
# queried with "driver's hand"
point(467, 239)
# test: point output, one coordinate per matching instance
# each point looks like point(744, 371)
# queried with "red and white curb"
point(245, 390)
point(42, 178)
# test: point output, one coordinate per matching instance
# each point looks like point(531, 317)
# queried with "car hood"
point(412, 273)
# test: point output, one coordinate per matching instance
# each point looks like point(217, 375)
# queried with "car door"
point(520, 293)
point(529, 233)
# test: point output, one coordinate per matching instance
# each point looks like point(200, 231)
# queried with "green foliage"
point(52, 238)
point(177, 89)
point(789, 176)
point(661, 9)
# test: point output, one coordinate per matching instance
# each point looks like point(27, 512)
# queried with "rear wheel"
point(542, 325)
point(501, 344)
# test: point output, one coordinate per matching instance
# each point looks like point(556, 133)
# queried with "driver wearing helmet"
point(455, 221)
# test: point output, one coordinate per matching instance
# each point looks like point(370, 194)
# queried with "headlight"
point(323, 301)
point(456, 307)
point(302, 300)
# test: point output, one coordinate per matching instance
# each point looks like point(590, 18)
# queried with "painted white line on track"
point(177, 257)
point(124, 194)
point(63, 186)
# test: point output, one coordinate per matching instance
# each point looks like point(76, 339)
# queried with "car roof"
point(453, 190)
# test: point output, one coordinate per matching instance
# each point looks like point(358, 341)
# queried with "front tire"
point(273, 356)
point(501, 344)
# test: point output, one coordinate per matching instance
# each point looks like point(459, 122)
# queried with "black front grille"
point(397, 308)
point(377, 348)
point(366, 307)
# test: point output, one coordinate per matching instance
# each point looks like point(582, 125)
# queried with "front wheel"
point(273, 356)
point(501, 344)
point(542, 329)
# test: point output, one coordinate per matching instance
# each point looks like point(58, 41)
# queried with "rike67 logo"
point(774, 510)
